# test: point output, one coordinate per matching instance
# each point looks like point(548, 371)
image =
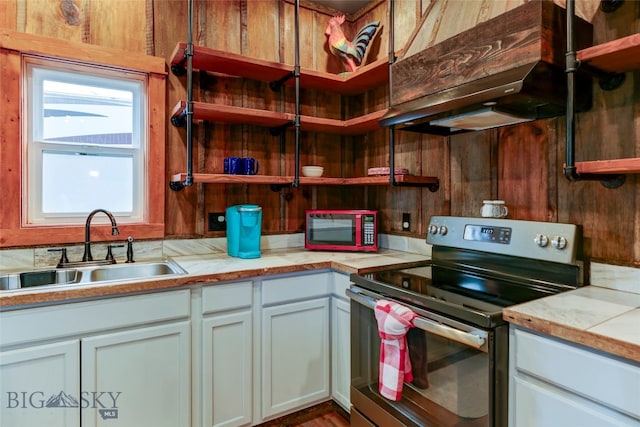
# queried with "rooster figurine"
point(351, 53)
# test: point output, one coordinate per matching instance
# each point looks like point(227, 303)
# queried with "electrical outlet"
point(406, 221)
point(217, 221)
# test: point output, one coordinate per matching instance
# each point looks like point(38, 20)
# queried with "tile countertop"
point(602, 318)
point(216, 267)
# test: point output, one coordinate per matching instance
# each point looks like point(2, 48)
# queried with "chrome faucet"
point(87, 233)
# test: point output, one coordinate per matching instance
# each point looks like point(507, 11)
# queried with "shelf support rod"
point(188, 111)
point(296, 74)
point(572, 64)
point(392, 129)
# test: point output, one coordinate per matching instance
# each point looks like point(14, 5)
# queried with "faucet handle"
point(63, 256)
point(130, 249)
point(110, 253)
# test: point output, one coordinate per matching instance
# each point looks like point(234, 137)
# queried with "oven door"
point(455, 383)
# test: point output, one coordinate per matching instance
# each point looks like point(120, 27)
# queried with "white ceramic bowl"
point(312, 171)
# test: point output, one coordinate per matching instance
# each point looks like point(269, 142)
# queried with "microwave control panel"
point(368, 230)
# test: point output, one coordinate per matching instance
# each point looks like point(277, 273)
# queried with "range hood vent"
point(507, 70)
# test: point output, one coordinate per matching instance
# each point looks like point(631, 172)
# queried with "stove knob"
point(559, 242)
point(541, 240)
point(443, 230)
point(433, 229)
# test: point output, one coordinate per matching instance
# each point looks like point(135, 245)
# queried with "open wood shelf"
point(232, 114)
point(631, 165)
point(616, 56)
point(355, 126)
point(366, 77)
point(205, 178)
point(240, 115)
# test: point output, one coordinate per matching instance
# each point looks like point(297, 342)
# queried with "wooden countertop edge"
point(584, 337)
point(70, 293)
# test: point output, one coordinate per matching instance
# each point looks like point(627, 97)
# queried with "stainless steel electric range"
point(458, 346)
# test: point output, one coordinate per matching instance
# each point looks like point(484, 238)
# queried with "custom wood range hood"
point(506, 70)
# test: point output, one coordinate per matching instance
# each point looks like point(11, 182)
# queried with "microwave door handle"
point(475, 339)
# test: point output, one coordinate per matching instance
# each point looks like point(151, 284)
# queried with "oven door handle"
point(476, 338)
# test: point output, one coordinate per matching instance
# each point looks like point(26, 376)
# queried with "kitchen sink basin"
point(28, 279)
point(9, 281)
point(47, 277)
point(90, 274)
point(133, 271)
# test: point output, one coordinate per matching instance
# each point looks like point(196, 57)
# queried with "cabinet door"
point(340, 352)
point(139, 377)
point(226, 370)
point(295, 361)
point(40, 385)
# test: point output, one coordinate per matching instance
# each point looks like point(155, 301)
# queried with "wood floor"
point(327, 414)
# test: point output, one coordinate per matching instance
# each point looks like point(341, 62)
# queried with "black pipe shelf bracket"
point(276, 85)
point(180, 120)
point(279, 130)
point(606, 81)
point(608, 6)
point(277, 187)
point(176, 185)
point(433, 187)
point(178, 69)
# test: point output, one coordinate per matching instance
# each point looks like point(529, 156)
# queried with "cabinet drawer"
point(229, 296)
point(609, 381)
point(52, 322)
point(283, 289)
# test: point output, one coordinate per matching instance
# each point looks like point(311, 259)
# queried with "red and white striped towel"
point(394, 320)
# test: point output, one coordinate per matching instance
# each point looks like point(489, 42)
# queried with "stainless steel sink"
point(90, 274)
point(47, 277)
point(133, 271)
point(9, 281)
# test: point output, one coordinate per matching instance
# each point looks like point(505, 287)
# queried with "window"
point(85, 141)
point(77, 116)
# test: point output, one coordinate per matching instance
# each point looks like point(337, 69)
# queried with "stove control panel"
point(529, 239)
point(489, 234)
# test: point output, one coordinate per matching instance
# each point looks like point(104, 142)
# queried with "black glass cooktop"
point(462, 294)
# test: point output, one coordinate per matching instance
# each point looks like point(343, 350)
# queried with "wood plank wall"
point(520, 164)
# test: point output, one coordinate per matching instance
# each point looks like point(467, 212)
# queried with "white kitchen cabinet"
point(88, 352)
point(140, 377)
point(295, 343)
point(32, 379)
point(558, 384)
point(226, 375)
point(340, 342)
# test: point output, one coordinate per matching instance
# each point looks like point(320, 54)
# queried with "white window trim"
point(33, 148)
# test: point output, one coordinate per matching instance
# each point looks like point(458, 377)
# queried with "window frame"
point(38, 70)
point(14, 46)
